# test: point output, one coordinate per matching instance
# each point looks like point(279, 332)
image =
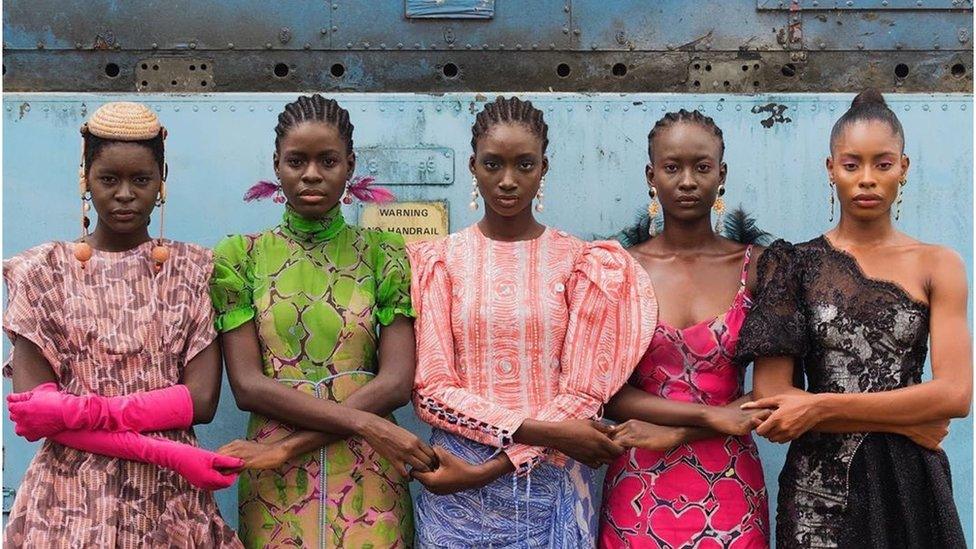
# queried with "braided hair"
point(314, 108)
point(867, 106)
point(510, 110)
point(693, 117)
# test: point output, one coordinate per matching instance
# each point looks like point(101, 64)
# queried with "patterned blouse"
point(548, 328)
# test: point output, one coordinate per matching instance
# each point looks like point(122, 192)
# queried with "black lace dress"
point(850, 334)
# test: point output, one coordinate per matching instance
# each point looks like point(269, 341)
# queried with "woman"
point(113, 337)
point(299, 307)
point(698, 482)
point(854, 310)
point(523, 332)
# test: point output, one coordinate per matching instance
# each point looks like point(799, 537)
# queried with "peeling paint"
point(775, 111)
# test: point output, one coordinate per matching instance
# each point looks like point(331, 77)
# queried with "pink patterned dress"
point(706, 494)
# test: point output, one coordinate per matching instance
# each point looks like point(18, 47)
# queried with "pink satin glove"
point(202, 468)
point(45, 410)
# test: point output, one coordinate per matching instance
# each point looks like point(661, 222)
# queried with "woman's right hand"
point(928, 435)
point(731, 420)
point(587, 441)
point(399, 446)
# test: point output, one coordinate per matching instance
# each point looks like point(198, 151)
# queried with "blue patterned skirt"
point(549, 507)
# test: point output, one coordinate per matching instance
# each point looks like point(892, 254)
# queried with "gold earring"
point(831, 185)
point(901, 184)
point(719, 208)
point(653, 208)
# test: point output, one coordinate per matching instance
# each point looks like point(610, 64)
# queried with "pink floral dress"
point(706, 494)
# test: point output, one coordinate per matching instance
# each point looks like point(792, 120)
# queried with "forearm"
point(271, 399)
point(376, 397)
point(929, 401)
point(633, 403)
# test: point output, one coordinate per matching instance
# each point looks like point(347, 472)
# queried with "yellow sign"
point(415, 221)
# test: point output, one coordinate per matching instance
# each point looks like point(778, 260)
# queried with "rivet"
point(850, 3)
point(945, 107)
point(566, 9)
point(45, 109)
point(420, 109)
point(267, 45)
point(349, 45)
point(832, 108)
point(270, 108)
point(467, 46)
point(738, 107)
point(214, 108)
point(937, 46)
point(908, 107)
point(823, 45)
point(233, 108)
point(550, 109)
point(644, 108)
point(158, 108)
point(77, 45)
point(416, 45)
point(589, 107)
point(400, 108)
point(925, 108)
point(230, 45)
point(382, 109)
point(195, 108)
point(501, 46)
point(323, 30)
point(576, 32)
point(962, 107)
point(719, 107)
point(399, 45)
point(813, 108)
point(335, 28)
point(535, 46)
point(569, 108)
point(860, 45)
point(363, 108)
point(565, 30)
point(552, 46)
point(9, 108)
point(366, 45)
point(437, 108)
point(251, 108)
point(664, 108)
point(193, 45)
point(606, 108)
point(518, 46)
point(176, 108)
point(335, 6)
point(626, 108)
point(308, 46)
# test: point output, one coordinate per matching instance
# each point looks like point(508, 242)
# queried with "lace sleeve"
point(776, 324)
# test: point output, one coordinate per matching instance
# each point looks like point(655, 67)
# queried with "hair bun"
point(869, 96)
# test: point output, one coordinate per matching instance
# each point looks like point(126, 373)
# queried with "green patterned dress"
point(317, 290)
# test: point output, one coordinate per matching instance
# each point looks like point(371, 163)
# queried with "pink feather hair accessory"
point(264, 189)
point(363, 189)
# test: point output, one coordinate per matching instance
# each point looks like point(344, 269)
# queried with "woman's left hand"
point(256, 455)
point(453, 474)
point(794, 414)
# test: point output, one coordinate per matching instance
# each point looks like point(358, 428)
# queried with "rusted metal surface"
point(563, 45)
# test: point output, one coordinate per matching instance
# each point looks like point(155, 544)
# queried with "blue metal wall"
point(220, 145)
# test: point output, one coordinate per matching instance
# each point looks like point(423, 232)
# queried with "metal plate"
point(450, 9)
point(732, 76)
point(408, 165)
point(874, 5)
point(174, 74)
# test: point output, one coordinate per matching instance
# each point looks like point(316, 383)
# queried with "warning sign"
point(413, 220)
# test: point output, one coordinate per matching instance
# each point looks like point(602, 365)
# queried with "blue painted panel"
point(451, 9)
point(220, 145)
